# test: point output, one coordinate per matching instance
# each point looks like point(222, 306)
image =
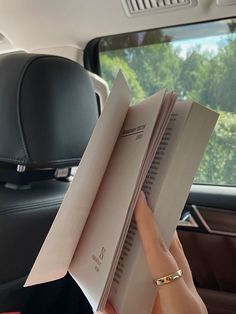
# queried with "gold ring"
point(168, 279)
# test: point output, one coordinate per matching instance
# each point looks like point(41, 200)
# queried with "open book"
point(155, 145)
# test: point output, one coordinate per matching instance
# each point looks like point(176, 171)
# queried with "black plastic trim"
point(223, 197)
point(91, 57)
point(91, 51)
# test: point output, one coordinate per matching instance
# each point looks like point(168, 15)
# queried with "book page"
point(166, 186)
point(96, 251)
point(58, 249)
point(158, 131)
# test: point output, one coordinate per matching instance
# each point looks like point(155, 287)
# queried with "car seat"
point(48, 110)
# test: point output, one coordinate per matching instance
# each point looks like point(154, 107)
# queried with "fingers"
point(159, 259)
point(176, 297)
point(177, 252)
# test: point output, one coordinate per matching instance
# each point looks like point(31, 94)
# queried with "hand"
point(179, 296)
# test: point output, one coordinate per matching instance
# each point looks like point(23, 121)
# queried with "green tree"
point(218, 165)
point(194, 72)
point(152, 67)
point(204, 77)
point(156, 66)
point(226, 87)
point(110, 68)
point(210, 79)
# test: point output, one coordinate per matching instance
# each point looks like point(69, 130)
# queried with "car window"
point(198, 62)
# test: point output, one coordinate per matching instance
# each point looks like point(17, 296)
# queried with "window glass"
point(198, 62)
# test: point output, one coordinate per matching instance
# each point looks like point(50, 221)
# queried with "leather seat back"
point(48, 110)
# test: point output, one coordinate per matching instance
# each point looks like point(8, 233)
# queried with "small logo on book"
point(138, 131)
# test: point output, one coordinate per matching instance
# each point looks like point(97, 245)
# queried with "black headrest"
point(48, 110)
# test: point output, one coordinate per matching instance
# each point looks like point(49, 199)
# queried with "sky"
point(210, 44)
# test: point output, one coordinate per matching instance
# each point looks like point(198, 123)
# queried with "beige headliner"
point(32, 25)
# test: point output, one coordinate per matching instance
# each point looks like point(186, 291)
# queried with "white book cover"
point(59, 246)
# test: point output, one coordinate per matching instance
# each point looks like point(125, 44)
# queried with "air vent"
point(225, 2)
point(133, 7)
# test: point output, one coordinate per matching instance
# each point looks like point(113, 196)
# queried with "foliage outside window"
point(199, 63)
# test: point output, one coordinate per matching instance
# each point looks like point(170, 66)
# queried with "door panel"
point(207, 231)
